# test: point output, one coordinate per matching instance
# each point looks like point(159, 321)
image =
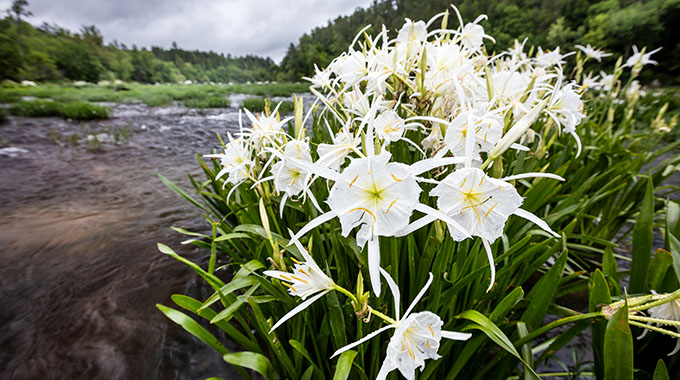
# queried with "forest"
point(612, 25)
point(52, 53)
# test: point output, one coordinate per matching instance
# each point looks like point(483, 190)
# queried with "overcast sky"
point(239, 27)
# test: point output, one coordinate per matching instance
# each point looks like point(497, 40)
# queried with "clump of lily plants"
point(454, 181)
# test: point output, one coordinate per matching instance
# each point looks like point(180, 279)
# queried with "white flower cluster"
point(437, 93)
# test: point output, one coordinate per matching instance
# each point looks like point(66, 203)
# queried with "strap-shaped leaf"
point(344, 365)
point(618, 347)
point(193, 328)
point(495, 334)
point(257, 362)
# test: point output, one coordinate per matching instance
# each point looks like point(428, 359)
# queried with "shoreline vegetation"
point(76, 101)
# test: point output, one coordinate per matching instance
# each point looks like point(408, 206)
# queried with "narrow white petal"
point(519, 147)
point(676, 349)
point(418, 224)
point(440, 215)
point(362, 340)
point(298, 309)
point(431, 163)
point(395, 291)
point(532, 175)
point(386, 367)
point(419, 296)
point(374, 264)
point(492, 266)
point(578, 142)
point(535, 220)
point(455, 335)
point(283, 204)
point(323, 218)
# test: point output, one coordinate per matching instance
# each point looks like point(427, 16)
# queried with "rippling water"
point(80, 273)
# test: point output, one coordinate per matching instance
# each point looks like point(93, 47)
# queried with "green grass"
point(153, 95)
point(75, 110)
point(209, 102)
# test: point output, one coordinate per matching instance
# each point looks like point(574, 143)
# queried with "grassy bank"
point(194, 96)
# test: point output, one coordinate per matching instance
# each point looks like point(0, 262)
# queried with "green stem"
point(347, 293)
point(382, 316)
point(553, 324)
point(654, 328)
point(654, 320)
point(671, 297)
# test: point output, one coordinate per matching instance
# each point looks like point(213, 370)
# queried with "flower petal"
point(298, 309)
point(492, 266)
point(453, 335)
point(374, 264)
point(419, 296)
point(532, 175)
point(362, 340)
point(395, 291)
point(535, 220)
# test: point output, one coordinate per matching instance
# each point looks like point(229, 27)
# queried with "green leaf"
point(526, 350)
point(661, 372)
point(658, 268)
point(308, 373)
point(494, 333)
point(299, 347)
point(257, 362)
point(598, 296)
point(344, 365)
point(214, 281)
point(642, 242)
point(611, 270)
point(181, 192)
point(506, 305)
point(674, 249)
point(193, 328)
point(543, 293)
point(618, 347)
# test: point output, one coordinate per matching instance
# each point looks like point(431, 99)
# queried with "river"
point(80, 274)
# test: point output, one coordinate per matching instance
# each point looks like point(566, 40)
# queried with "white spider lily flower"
point(669, 311)
point(412, 32)
point(389, 126)
point(356, 102)
point(487, 130)
point(473, 34)
point(350, 68)
point(517, 50)
point(236, 161)
point(416, 337)
point(321, 78)
point(606, 82)
point(289, 176)
point(334, 155)
point(266, 130)
point(550, 58)
point(377, 196)
point(306, 279)
point(589, 81)
point(482, 205)
point(639, 58)
point(634, 90)
point(565, 108)
point(592, 52)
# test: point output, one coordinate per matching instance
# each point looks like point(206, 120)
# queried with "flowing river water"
point(80, 274)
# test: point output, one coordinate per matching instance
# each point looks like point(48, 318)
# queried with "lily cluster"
point(435, 92)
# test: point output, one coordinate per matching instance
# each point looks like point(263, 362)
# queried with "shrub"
point(84, 111)
point(69, 110)
point(208, 102)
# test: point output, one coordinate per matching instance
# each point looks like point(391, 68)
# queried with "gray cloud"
point(239, 27)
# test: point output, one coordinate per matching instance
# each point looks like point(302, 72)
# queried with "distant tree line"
point(52, 53)
point(613, 25)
